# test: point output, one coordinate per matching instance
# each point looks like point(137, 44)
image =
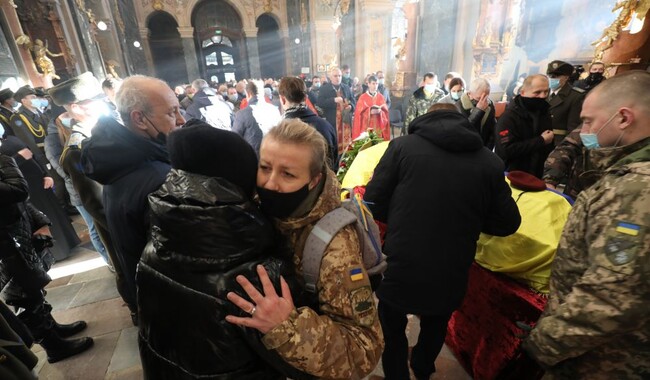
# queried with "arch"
point(166, 48)
point(271, 46)
point(185, 18)
point(219, 41)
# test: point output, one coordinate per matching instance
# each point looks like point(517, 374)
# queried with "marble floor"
point(84, 288)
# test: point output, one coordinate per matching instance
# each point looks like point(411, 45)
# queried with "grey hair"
point(480, 85)
point(131, 96)
point(199, 84)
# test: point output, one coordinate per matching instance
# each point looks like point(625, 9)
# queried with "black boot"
point(58, 349)
point(68, 330)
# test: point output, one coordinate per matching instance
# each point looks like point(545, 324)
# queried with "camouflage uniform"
point(597, 322)
point(564, 164)
point(345, 341)
point(419, 104)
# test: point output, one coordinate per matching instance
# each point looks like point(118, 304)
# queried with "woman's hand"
point(268, 310)
point(45, 230)
point(48, 182)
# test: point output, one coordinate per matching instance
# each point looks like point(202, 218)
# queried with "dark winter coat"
point(437, 188)
point(130, 167)
point(220, 115)
point(323, 127)
point(247, 127)
point(326, 102)
point(19, 219)
point(518, 138)
point(205, 232)
point(483, 124)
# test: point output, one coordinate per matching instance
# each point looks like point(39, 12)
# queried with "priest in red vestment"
point(371, 112)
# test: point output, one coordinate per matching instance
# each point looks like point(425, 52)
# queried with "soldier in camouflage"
point(596, 323)
point(340, 336)
point(423, 98)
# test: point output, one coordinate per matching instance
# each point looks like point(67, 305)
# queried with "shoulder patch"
point(76, 139)
point(623, 241)
point(363, 305)
point(19, 122)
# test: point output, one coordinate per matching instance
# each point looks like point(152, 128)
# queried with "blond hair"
point(294, 131)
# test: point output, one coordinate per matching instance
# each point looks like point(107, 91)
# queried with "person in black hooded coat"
point(437, 188)
point(206, 230)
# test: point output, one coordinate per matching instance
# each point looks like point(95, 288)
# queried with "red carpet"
point(482, 333)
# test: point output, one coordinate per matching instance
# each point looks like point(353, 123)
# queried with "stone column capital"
point(186, 31)
point(144, 33)
point(250, 32)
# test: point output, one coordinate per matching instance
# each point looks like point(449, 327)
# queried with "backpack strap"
point(318, 240)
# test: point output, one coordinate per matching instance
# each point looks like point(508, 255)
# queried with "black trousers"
point(433, 329)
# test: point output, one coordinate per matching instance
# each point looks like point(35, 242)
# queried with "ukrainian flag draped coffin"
point(527, 254)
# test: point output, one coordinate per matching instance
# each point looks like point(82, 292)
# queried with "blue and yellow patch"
point(628, 228)
point(356, 274)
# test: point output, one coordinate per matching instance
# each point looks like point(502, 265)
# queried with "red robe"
point(364, 118)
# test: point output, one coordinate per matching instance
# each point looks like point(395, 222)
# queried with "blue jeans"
point(94, 236)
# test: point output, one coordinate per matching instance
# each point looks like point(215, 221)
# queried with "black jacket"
point(476, 117)
point(205, 232)
point(326, 102)
point(323, 127)
point(437, 189)
point(130, 167)
point(22, 269)
point(518, 138)
point(220, 115)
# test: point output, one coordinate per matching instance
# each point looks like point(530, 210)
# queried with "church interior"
point(46, 42)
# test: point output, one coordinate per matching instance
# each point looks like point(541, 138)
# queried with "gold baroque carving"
point(494, 36)
point(627, 9)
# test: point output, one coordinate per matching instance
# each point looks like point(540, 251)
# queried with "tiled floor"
point(84, 288)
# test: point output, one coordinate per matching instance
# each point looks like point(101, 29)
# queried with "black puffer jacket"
point(19, 219)
point(205, 232)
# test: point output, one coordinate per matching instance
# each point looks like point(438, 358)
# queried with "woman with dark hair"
point(456, 90)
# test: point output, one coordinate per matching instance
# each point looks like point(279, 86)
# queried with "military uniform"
point(596, 323)
point(419, 104)
point(566, 104)
point(342, 340)
point(29, 127)
point(565, 164)
point(5, 117)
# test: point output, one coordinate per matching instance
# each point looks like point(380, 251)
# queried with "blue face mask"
point(554, 83)
point(346, 76)
point(66, 122)
point(590, 140)
point(36, 102)
point(456, 95)
point(430, 88)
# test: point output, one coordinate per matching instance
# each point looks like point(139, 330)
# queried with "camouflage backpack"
point(352, 211)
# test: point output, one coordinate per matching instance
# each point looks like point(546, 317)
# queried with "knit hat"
point(22, 92)
point(5, 94)
point(524, 181)
point(200, 148)
point(77, 89)
point(559, 68)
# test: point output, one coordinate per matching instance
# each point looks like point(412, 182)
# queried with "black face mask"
point(160, 138)
point(281, 205)
point(535, 104)
point(595, 78)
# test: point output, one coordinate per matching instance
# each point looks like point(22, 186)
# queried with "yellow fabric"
point(364, 165)
point(527, 254)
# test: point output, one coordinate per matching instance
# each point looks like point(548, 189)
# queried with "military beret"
point(77, 89)
point(24, 91)
point(559, 68)
point(5, 94)
point(524, 181)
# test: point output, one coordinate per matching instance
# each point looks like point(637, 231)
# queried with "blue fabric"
point(94, 236)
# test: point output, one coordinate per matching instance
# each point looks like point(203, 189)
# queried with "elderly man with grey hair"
point(209, 107)
point(479, 109)
point(129, 157)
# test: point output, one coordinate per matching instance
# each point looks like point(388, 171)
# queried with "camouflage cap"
point(559, 68)
point(77, 89)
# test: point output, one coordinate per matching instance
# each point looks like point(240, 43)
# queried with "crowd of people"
point(202, 198)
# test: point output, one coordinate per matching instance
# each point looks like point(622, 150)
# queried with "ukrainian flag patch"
point(356, 274)
point(628, 228)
